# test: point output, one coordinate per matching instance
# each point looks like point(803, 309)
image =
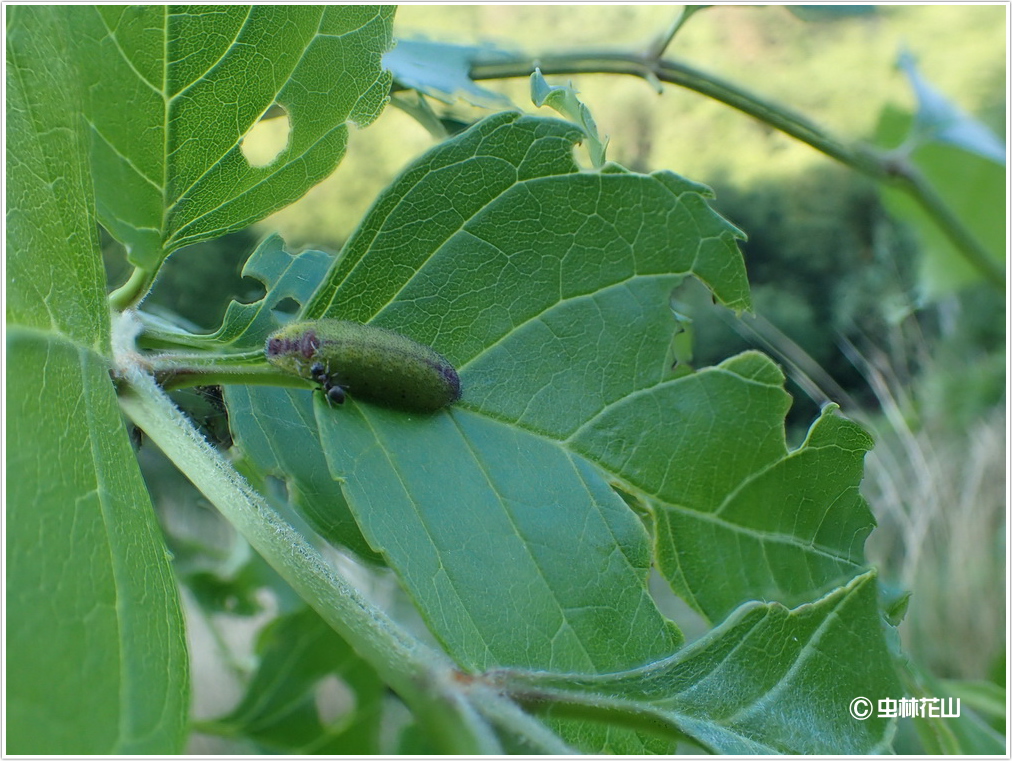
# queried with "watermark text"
point(862, 708)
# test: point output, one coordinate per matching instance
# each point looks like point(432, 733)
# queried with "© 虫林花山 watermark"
point(862, 708)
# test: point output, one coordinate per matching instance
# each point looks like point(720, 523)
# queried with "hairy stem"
point(133, 290)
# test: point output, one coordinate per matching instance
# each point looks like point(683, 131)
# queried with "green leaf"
point(529, 218)
point(286, 276)
point(295, 702)
point(894, 604)
point(599, 738)
point(173, 92)
point(778, 525)
point(289, 447)
point(507, 196)
point(986, 698)
point(549, 289)
point(564, 99)
point(443, 71)
point(967, 732)
point(55, 280)
point(96, 658)
point(96, 652)
point(971, 185)
point(454, 499)
point(939, 120)
point(768, 680)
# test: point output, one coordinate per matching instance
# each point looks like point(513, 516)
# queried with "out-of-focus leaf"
point(940, 120)
point(894, 604)
point(972, 186)
point(96, 658)
point(173, 92)
point(310, 694)
point(768, 680)
point(954, 726)
point(443, 71)
point(986, 698)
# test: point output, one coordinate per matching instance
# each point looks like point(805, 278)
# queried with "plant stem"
point(133, 290)
point(174, 370)
point(423, 677)
point(879, 165)
point(658, 48)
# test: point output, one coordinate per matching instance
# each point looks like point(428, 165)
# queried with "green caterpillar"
point(366, 361)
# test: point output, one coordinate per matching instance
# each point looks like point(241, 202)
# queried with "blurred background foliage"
point(837, 280)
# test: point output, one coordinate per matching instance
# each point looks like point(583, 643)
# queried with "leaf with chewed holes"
point(548, 288)
point(167, 118)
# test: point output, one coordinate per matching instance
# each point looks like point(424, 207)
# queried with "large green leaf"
point(526, 267)
point(516, 552)
point(173, 92)
point(96, 659)
point(549, 289)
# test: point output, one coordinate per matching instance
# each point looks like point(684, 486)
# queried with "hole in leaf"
point(287, 305)
point(692, 624)
point(267, 138)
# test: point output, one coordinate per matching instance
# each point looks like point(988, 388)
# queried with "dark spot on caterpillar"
point(305, 344)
